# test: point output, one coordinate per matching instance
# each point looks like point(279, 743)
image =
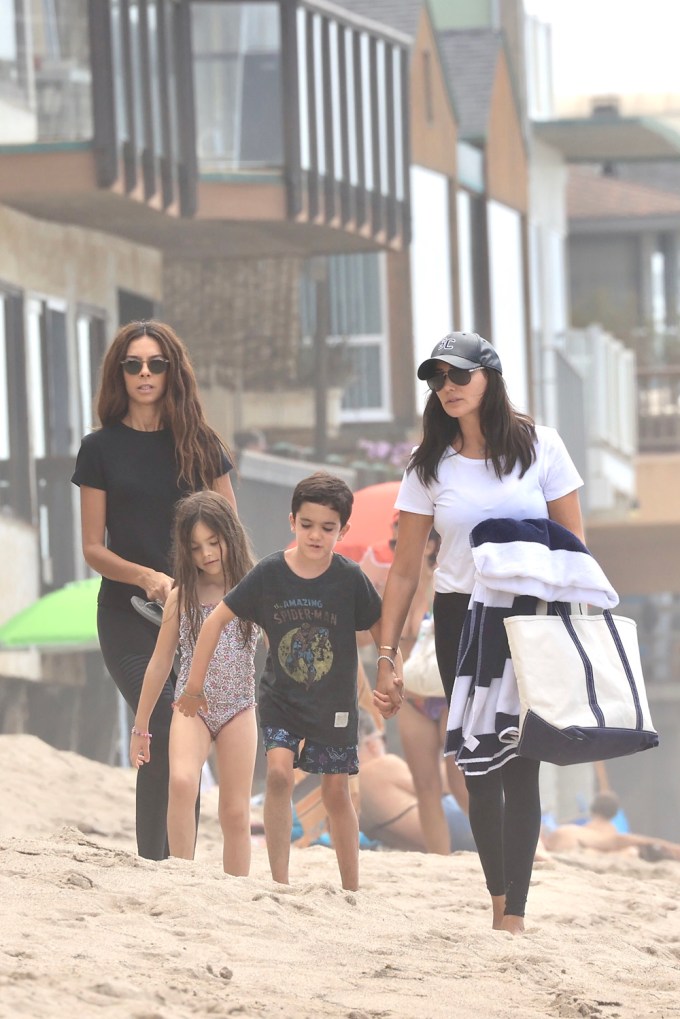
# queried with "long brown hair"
point(215, 512)
point(198, 448)
point(510, 437)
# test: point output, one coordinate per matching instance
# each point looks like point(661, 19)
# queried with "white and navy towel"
point(518, 564)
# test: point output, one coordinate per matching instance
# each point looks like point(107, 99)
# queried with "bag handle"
point(563, 613)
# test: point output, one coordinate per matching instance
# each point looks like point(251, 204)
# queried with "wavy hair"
point(510, 437)
point(213, 510)
point(198, 448)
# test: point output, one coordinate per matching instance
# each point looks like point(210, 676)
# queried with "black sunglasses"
point(459, 377)
point(156, 365)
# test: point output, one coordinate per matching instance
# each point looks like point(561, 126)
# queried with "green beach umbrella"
point(63, 620)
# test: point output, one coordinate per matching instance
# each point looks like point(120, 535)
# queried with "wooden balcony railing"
point(343, 105)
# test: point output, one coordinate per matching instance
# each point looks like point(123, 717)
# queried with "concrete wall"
point(78, 265)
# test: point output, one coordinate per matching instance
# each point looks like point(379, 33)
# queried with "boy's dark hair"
point(325, 490)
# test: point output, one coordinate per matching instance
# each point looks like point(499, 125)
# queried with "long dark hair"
point(215, 512)
point(510, 437)
point(198, 448)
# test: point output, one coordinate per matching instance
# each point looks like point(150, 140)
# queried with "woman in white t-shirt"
point(478, 458)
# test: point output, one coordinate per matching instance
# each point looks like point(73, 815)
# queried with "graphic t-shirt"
point(310, 686)
point(138, 471)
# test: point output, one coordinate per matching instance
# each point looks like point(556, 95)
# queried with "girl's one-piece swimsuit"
point(230, 680)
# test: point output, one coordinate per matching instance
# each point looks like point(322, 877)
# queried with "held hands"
point(190, 704)
point(389, 689)
point(140, 747)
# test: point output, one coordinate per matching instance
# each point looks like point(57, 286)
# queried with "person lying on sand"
point(388, 802)
point(601, 834)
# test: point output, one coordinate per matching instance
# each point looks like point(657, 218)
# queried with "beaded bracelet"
point(136, 732)
point(385, 658)
point(197, 696)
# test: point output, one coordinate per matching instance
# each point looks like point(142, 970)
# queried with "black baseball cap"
point(462, 350)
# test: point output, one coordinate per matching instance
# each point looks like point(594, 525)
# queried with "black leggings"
point(127, 642)
point(505, 817)
point(505, 805)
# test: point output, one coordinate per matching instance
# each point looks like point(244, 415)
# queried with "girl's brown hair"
point(198, 448)
point(215, 512)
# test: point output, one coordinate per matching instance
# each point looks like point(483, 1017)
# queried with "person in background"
point(479, 458)
point(211, 553)
point(422, 725)
point(601, 833)
point(153, 447)
point(377, 559)
point(388, 802)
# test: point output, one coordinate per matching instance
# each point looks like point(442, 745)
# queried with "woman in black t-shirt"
point(154, 447)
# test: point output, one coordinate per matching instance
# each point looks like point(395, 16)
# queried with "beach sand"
point(89, 929)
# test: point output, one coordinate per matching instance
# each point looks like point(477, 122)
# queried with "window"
point(15, 487)
point(357, 337)
point(53, 441)
point(91, 346)
point(237, 68)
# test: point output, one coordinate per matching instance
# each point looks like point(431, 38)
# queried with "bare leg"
point(344, 825)
point(420, 739)
point(278, 811)
point(236, 746)
point(189, 749)
point(498, 907)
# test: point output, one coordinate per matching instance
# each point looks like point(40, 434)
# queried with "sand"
point(89, 929)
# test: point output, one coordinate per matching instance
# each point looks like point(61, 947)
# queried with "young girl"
point(211, 554)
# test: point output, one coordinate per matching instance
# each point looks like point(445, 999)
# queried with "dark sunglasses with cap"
point(465, 353)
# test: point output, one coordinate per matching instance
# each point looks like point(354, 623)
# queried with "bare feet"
point(498, 904)
point(513, 924)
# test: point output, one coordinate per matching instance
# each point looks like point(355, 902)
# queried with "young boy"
point(310, 602)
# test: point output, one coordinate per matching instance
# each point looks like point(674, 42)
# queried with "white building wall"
point(548, 282)
point(466, 311)
point(508, 314)
point(432, 300)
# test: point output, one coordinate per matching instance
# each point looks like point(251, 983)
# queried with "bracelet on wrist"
point(196, 696)
point(388, 647)
point(385, 658)
point(138, 732)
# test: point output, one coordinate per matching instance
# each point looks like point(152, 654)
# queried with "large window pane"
point(44, 72)
point(237, 66)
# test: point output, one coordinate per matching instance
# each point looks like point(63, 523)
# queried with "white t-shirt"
point(468, 491)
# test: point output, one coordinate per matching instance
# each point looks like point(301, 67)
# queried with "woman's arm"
point(93, 526)
point(567, 511)
point(402, 582)
point(224, 487)
point(157, 672)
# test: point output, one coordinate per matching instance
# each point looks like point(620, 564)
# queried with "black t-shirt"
point(138, 471)
point(311, 688)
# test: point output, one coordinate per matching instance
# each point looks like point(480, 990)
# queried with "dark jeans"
point(505, 805)
point(127, 642)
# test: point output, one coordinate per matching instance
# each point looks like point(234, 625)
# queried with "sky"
point(602, 47)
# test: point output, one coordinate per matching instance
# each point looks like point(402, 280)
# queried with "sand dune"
point(90, 929)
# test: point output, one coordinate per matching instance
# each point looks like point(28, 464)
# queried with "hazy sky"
point(613, 46)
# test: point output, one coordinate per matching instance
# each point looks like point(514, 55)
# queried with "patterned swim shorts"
point(315, 758)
